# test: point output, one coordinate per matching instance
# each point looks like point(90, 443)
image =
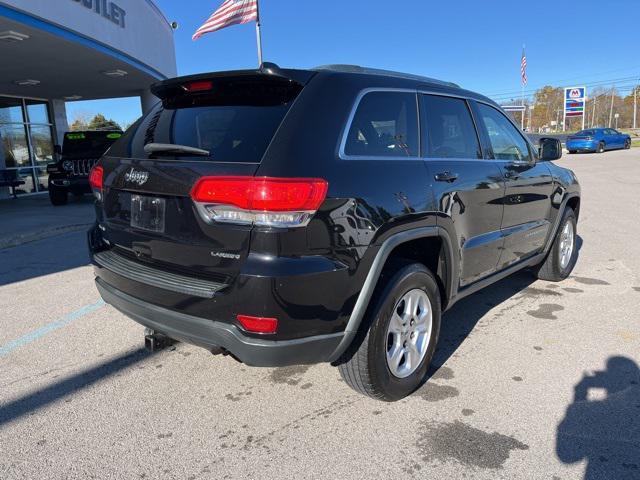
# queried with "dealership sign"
point(106, 8)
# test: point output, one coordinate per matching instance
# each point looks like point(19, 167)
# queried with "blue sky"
point(476, 44)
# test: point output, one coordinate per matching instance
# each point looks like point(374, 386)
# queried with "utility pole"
point(613, 91)
point(635, 105)
point(593, 115)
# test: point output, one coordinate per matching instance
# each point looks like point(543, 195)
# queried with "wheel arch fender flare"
point(366, 293)
point(556, 224)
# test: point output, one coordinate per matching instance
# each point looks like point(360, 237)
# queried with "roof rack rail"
point(376, 71)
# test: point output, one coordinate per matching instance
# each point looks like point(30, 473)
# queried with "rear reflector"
point(258, 324)
point(280, 202)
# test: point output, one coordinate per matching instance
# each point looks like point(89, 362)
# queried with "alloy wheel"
point(566, 245)
point(409, 333)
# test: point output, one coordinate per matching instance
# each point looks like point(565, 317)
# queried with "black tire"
point(58, 196)
point(600, 148)
point(627, 144)
point(572, 151)
point(551, 269)
point(364, 366)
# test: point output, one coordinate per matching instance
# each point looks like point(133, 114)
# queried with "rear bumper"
point(584, 146)
point(211, 334)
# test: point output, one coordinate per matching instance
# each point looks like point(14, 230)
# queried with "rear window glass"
point(586, 133)
point(231, 133)
point(385, 125)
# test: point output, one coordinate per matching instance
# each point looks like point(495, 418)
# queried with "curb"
point(40, 235)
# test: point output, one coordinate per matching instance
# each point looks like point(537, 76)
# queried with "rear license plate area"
point(148, 213)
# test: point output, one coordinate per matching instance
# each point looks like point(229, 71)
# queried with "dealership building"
point(56, 51)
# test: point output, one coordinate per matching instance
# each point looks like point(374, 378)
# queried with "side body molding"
point(370, 282)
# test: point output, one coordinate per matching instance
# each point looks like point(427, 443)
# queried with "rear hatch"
point(229, 120)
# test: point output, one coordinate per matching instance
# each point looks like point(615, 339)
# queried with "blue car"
point(597, 140)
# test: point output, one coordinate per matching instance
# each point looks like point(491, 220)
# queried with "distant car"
point(598, 140)
point(79, 153)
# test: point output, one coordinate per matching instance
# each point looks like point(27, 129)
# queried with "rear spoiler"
point(268, 74)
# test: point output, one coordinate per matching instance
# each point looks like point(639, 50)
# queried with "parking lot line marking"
point(41, 332)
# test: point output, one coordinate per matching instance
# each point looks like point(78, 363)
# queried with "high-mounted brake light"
point(258, 324)
point(202, 86)
point(96, 179)
point(268, 201)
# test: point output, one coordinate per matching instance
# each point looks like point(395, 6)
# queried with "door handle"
point(446, 177)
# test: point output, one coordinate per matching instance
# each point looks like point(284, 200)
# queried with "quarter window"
point(506, 141)
point(385, 125)
point(448, 130)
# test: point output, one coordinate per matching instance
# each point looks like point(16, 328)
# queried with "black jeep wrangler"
point(79, 153)
point(327, 215)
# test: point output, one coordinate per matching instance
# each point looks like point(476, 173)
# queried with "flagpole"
point(522, 87)
point(258, 34)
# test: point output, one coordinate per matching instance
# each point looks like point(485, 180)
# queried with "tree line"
point(98, 122)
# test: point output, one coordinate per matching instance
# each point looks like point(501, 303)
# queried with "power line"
point(603, 83)
point(583, 77)
point(587, 84)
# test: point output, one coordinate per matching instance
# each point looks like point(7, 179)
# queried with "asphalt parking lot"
point(532, 380)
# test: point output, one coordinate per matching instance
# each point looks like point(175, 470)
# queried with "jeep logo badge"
point(136, 176)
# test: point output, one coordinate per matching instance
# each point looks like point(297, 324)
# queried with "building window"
point(26, 141)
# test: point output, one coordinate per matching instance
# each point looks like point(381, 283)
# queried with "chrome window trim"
point(533, 151)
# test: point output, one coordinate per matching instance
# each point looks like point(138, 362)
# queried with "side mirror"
point(57, 149)
point(550, 149)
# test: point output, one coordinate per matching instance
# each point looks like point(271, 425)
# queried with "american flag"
point(231, 12)
point(523, 68)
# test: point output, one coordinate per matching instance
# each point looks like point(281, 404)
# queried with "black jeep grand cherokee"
point(329, 215)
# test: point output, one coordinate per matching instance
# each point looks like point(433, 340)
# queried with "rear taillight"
point(96, 180)
point(266, 201)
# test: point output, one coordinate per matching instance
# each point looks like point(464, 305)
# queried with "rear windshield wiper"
point(172, 149)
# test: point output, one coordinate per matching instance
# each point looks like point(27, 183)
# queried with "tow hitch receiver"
point(154, 341)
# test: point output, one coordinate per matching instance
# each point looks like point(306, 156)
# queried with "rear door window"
point(506, 141)
point(448, 130)
point(385, 125)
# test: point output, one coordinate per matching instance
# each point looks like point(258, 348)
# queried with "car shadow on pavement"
point(602, 425)
point(43, 257)
point(28, 404)
point(459, 322)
